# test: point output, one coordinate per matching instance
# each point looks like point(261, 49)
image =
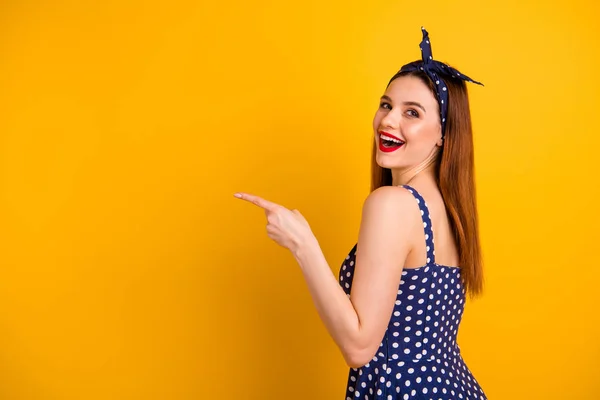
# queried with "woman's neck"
point(426, 168)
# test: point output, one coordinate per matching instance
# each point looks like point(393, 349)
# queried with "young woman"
point(396, 309)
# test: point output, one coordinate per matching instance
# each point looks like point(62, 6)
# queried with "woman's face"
point(407, 124)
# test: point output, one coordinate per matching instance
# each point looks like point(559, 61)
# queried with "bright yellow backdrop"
point(129, 271)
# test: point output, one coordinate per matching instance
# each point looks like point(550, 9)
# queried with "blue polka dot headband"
point(434, 70)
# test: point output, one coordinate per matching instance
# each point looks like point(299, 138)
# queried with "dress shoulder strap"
point(426, 224)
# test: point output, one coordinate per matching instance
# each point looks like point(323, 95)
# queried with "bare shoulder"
point(390, 202)
point(389, 213)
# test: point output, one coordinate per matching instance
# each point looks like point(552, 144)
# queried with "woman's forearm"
point(333, 305)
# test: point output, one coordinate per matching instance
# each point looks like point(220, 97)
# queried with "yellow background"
point(129, 271)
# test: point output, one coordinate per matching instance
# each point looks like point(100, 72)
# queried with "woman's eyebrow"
point(406, 103)
point(414, 103)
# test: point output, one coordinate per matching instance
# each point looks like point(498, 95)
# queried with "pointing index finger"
point(258, 201)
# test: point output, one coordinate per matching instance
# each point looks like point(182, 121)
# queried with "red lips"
point(389, 146)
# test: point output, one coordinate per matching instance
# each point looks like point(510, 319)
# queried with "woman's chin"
point(385, 163)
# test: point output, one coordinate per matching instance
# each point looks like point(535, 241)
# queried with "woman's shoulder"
point(388, 194)
point(391, 202)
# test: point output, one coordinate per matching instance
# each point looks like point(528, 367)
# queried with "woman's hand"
point(286, 227)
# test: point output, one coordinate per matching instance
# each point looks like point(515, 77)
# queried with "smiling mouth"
point(389, 143)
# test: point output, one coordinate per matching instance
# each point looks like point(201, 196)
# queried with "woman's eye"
point(413, 113)
point(385, 105)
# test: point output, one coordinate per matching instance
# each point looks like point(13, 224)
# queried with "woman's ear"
point(440, 141)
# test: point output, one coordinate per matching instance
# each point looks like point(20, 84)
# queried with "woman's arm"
point(357, 323)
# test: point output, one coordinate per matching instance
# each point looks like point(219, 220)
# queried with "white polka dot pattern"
point(419, 357)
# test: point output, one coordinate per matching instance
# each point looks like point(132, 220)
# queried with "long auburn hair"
point(455, 176)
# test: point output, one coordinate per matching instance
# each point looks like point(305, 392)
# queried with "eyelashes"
point(411, 112)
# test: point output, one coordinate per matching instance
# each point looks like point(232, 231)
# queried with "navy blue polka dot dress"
point(419, 357)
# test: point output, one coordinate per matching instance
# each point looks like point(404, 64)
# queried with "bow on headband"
point(434, 69)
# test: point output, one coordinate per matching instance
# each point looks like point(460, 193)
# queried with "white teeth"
point(384, 137)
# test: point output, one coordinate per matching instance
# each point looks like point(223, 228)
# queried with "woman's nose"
point(391, 120)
